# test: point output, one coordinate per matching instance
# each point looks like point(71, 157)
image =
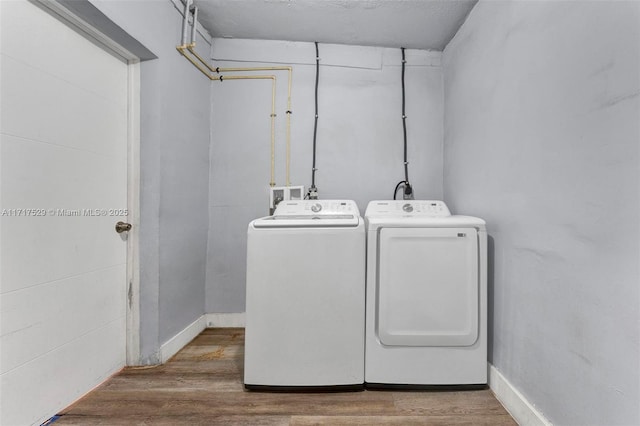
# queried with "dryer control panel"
point(414, 208)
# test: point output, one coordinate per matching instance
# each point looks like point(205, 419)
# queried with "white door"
point(63, 186)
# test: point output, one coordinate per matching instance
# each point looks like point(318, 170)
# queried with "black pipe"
point(408, 191)
point(315, 127)
point(404, 123)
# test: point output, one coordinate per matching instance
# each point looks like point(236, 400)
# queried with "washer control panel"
point(313, 207)
point(413, 208)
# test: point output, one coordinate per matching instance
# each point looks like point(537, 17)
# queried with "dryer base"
point(430, 388)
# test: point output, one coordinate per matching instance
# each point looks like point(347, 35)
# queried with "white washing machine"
point(426, 320)
point(306, 298)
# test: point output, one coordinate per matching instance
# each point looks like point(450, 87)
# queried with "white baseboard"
point(516, 404)
point(180, 340)
point(226, 320)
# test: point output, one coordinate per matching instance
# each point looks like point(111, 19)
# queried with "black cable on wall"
point(408, 191)
point(313, 191)
point(404, 122)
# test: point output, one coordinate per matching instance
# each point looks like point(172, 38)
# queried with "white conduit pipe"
point(289, 69)
point(191, 47)
point(183, 49)
point(194, 26)
point(209, 69)
point(273, 114)
point(185, 22)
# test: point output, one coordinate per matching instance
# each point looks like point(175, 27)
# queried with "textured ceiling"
point(417, 24)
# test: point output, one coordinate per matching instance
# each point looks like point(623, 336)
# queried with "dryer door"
point(427, 286)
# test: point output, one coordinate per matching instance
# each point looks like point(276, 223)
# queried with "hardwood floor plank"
point(229, 403)
point(289, 404)
point(92, 406)
point(74, 419)
point(71, 419)
point(215, 366)
point(210, 352)
point(234, 420)
point(177, 382)
point(218, 331)
point(477, 402)
point(400, 421)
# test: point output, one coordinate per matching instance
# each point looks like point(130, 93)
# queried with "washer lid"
point(312, 213)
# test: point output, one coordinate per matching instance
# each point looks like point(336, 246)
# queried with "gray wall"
point(359, 153)
point(175, 127)
point(541, 139)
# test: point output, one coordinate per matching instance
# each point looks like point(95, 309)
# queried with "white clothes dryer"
point(306, 298)
point(426, 313)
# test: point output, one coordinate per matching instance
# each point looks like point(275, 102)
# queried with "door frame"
point(104, 41)
point(133, 206)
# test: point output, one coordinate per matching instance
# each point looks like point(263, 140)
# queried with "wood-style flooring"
point(202, 385)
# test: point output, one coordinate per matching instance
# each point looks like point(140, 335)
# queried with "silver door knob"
point(122, 227)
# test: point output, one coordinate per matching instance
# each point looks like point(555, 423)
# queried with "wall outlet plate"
point(284, 193)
